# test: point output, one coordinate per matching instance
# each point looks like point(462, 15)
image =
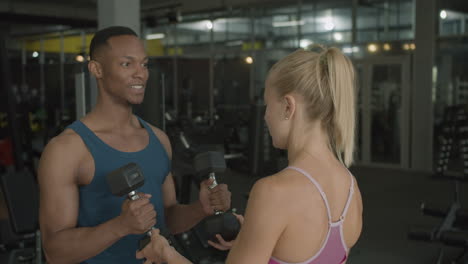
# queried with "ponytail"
point(341, 84)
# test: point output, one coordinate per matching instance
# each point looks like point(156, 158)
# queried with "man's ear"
point(95, 68)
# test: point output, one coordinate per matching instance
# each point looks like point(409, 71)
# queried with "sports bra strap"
point(322, 193)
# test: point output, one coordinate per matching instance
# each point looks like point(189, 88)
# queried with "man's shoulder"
point(68, 136)
point(162, 137)
point(67, 141)
point(61, 156)
point(155, 129)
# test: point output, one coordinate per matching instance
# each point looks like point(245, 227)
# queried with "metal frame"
point(367, 66)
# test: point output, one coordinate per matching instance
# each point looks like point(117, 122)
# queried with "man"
point(81, 221)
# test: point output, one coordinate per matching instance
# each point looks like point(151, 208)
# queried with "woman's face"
point(275, 115)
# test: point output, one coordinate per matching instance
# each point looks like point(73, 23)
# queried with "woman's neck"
point(311, 140)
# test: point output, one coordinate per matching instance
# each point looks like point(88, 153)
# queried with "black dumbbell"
point(224, 223)
point(125, 181)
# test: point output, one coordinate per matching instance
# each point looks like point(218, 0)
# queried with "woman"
point(310, 212)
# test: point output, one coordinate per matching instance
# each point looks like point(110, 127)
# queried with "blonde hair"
point(325, 79)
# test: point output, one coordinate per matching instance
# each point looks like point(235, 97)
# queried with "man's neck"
point(110, 115)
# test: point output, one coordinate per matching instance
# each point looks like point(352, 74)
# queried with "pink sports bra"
point(334, 249)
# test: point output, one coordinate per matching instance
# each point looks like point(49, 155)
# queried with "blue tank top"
point(98, 205)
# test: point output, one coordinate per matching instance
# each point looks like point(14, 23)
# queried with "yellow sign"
point(74, 45)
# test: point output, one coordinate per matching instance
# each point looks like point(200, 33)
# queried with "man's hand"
point(137, 216)
point(222, 244)
point(218, 198)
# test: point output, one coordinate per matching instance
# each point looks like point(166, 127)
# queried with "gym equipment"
point(18, 184)
point(22, 199)
point(125, 181)
point(454, 138)
point(85, 92)
point(257, 134)
point(223, 223)
point(12, 110)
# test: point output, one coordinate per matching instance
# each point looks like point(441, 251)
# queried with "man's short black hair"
point(101, 37)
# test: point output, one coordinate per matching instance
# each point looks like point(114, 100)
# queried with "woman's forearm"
point(174, 257)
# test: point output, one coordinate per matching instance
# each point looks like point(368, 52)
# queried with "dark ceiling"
point(23, 17)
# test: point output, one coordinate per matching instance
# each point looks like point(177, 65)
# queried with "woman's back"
point(295, 215)
point(308, 236)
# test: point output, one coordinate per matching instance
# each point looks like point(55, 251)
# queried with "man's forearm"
point(75, 245)
point(182, 217)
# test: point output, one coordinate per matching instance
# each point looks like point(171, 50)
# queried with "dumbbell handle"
point(215, 183)
point(164, 232)
point(212, 186)
point(133, 195)
point(433, 210)
point(455, 238)
point(417, 233)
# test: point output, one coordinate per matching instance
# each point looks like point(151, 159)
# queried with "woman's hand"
point(157, 250)
point(223, 244)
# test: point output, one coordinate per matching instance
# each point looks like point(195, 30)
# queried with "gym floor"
point(392, 200)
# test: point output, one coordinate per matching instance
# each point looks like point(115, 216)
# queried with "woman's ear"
point(290, 106)
point(95, 68)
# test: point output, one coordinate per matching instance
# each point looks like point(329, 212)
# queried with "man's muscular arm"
point(181, 217)
point(59, 201)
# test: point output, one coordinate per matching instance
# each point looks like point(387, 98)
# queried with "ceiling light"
point(209, 25)
point(329, 26)
point(338, 36)
point(304, 43)
point(347, 50)
point(372, 48)
point(79, 58)
point(248, 60)
point(443, 14)
point(387, 47)
point(289, 23)
point(155, 36)
point(350, 50)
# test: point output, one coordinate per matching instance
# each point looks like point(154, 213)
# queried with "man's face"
point(124, 69)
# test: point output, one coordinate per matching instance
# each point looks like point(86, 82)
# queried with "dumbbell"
point(125, 181)
point(224, 223)
point(422, 233)
point(455, 238)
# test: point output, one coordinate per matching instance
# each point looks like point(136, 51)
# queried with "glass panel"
point(385, 113)
point(360, 78)
point(452, 22)
point(387, 20)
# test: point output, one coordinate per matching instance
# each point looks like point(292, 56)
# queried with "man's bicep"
point(58, 191)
